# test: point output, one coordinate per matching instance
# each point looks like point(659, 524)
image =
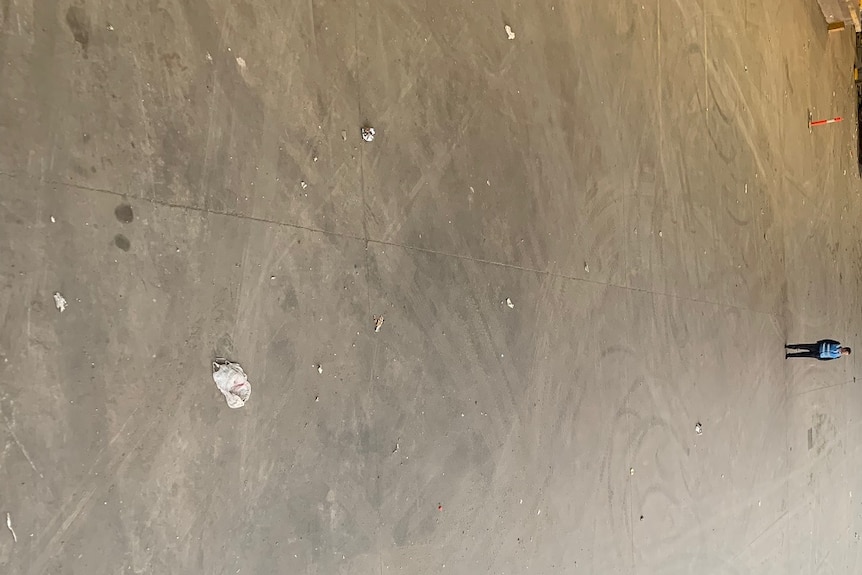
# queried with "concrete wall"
point(846, 11)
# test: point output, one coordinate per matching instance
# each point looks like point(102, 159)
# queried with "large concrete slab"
point(637, 178)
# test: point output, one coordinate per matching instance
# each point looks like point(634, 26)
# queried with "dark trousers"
point(808, 350)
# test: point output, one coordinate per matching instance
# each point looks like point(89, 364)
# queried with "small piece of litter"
point(320, 369)
point(232, 382)
point(509, 33)
point(110, 28)
point(241, 63)
point(378, 323)
point(368, 133)
point(632, 471)
point(396, 448)
point(659, 233)
point(272, 277)
point(698, 428)
point(209, 57)
point(586, 267)
point(314, 159)
point(344, 135)
point(53, 221)
point(539, 512)
point(303, 185)
point(59, 302)
point(509, 303)
point(316, 398)
point(9, 525)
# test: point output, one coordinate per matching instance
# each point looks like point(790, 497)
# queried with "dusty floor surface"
point(639, 180)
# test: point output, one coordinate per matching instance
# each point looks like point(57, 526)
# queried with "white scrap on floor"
point(9, 525)
point(320, 369)
point(698, 428)
point(59, 302)
point(232, 382)
point(368, 133)
point(509, 303)
point(378, 323)
point(509, 32)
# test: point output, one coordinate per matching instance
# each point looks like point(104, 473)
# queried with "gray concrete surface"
point(638, 178)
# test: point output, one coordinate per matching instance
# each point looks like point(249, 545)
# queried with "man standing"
point(824, 350)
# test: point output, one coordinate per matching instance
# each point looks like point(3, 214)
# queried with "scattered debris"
point(241, 63)
point(232, 381)
point(509, 32)
point(368, 133)
point(586, 267)
point(378, 323)
point(209, 57)
point(632, 471)
point(302, 184)
point(396, 448)
point(320, 369)
point(60, 302)
point(110, 28)
point(698, 428)
point(509, 303)
point(9, 525)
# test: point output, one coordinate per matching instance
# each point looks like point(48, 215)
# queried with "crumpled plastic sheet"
point(232, 381)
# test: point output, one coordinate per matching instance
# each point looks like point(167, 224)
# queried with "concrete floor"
point(638, 178)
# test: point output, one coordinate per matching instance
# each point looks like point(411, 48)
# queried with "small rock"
point(509, 33)
point(368, 133)
point(60, 302)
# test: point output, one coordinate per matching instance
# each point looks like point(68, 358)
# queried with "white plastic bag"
point(232, 381)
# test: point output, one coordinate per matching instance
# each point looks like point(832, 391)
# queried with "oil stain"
point(124, 213)
point(122, 242)
point(79, 24)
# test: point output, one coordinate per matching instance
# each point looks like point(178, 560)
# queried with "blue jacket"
point(829, 349)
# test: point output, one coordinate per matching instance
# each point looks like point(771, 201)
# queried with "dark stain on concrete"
point(79, 24)
point(124, 213)
point(122, 242)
